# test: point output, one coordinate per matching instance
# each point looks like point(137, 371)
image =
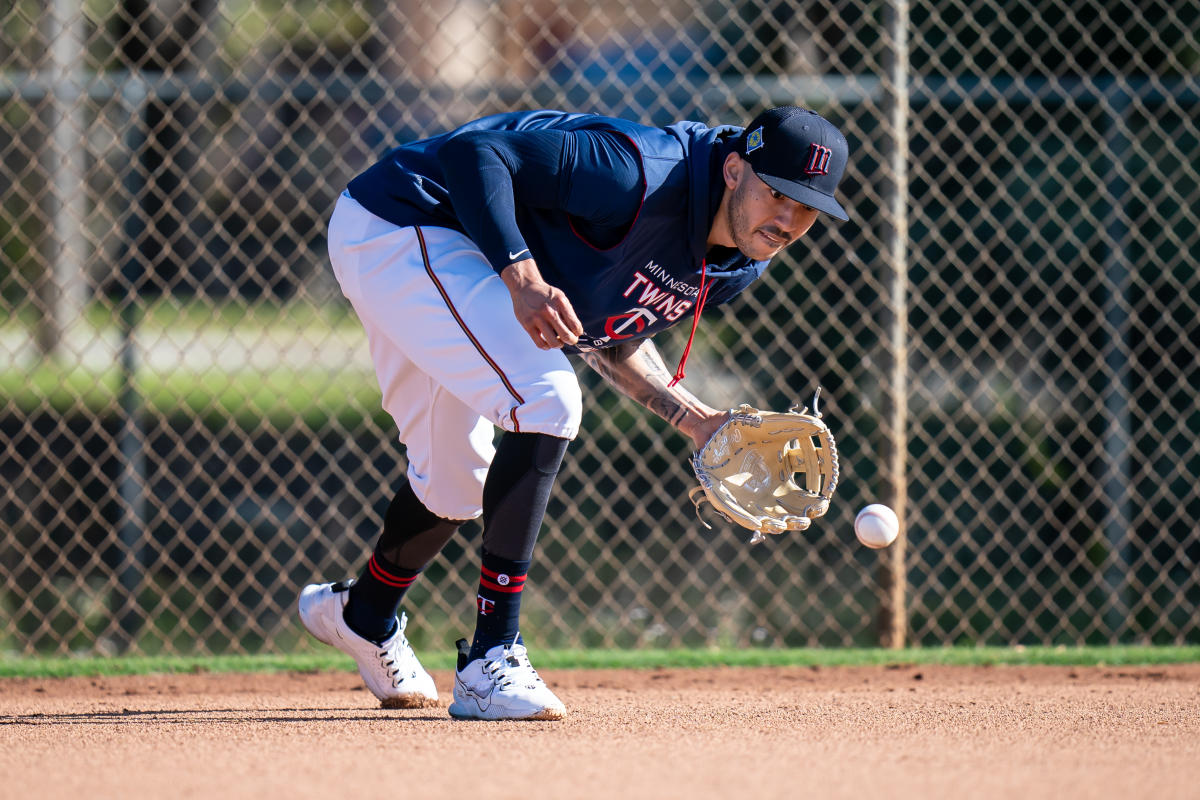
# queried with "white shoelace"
point(387, 663)
point(512, 667)
point(385, 656)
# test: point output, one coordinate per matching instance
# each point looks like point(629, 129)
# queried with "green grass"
point(23, 667)
point(279, 396)
point(277, 393)
point(168, 312)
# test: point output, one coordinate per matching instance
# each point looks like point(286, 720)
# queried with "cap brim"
point(806, 195)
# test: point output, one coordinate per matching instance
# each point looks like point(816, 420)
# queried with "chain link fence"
point(191, 429)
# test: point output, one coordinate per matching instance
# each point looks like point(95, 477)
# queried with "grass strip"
point(279, 396)
point(59, 667)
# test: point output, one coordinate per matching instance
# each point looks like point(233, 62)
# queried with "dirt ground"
point(898, 732)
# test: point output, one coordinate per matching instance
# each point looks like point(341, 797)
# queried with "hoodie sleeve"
point(594, 176)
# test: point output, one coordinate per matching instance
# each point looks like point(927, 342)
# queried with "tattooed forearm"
point(671, 403)
point(638, 371)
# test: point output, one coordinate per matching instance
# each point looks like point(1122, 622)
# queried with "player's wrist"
point(521, 275)
point(701, 422)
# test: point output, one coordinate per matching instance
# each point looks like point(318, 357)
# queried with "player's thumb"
point(566, 312)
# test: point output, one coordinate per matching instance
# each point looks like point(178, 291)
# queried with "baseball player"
point(477, 261)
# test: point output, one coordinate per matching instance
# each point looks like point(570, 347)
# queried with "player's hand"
point(702, 426)
point(543, 310)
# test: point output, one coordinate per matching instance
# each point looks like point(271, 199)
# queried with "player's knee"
point(553, 406)
point(458, 498)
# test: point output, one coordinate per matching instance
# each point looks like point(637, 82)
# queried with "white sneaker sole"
point(414, 700)
point(464, 711)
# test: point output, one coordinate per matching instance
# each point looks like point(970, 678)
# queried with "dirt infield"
point(894, 732)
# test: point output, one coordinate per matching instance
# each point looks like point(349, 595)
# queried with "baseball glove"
point(768, 471)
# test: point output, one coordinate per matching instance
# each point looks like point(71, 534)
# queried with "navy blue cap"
point(799, 154)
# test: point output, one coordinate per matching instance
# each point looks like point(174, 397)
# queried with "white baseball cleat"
point(391, 669)
point(501, 685)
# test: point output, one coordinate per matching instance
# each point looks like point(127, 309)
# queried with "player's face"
point(761, 220)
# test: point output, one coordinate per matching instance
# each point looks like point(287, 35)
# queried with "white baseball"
point(876, 526)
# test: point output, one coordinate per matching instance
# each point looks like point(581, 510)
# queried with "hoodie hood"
point(707, 149)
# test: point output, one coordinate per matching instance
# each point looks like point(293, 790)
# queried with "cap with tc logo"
point(798, 153)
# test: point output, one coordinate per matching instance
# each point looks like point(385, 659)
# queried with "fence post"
point(1118, 403)
point(893, 619)
point(65, 286)
point(131, 437)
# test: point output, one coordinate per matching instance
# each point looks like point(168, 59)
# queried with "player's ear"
point(732, 169)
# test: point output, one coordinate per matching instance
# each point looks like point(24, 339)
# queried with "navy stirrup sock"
point(515, 495)
point(412, 535)
point(498, 604)
point(375, 598)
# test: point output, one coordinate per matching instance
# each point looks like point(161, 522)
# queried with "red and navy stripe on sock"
point(375, 598)
point(391, 576)
point(500, 581)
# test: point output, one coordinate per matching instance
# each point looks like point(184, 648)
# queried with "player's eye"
point(776, 194)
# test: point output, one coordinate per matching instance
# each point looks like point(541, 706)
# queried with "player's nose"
point(794, 219)
point(785, 225)
point(789, 217)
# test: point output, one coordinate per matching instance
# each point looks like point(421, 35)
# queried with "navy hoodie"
point(623, 290)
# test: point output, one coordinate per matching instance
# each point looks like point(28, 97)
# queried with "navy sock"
point(412, 535)
point(498, 604)
point(375, 598)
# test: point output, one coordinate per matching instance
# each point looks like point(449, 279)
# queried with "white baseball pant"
point(451, 359)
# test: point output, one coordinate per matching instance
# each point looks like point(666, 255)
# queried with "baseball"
point(876, 526)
